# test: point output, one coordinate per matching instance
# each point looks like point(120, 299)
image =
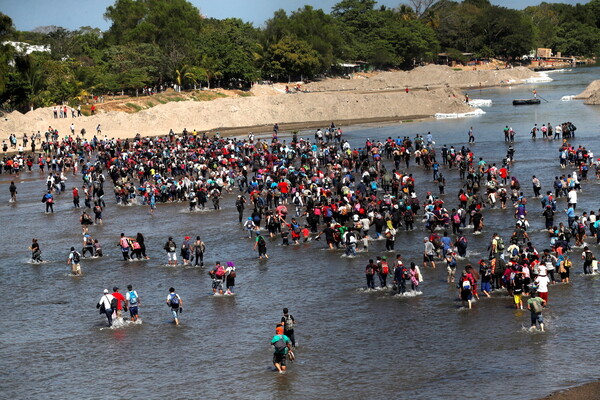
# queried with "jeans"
point(109, 312)
point(351, 249)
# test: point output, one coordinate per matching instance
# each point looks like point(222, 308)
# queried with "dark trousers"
point(290, 334)
point(370, 282)
point(109, 312)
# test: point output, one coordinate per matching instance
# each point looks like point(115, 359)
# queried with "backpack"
point(463, 197)
point(171, 247)
point(500, 244)
point(581, 228)
point(462, 241)
point(133, 298)
point(76, 257)
point(289, 323)
point(174, 301)
point(385, 269)
point(114, 303)
point(589, 256)
point(232, 273)
point(280, 345)
point(220, 271)
point(466, 284)
point(349, 237)
point(261, 241)
point(405, 274)
point(536, 306)
point(370, 270)
point(456, 218)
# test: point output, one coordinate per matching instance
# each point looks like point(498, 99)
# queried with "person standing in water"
point(261, 244)
point(104, 304)
point(13, 192)
point(73, 260)
point(199, 249)
point(289, 323)
point(175, 303)
point(281, 345)
point(133, 302)
point(536, 304)
point(36, 253)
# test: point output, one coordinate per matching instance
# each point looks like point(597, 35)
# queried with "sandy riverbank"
point(378, 98)
point(589, 391)
point(591, 95)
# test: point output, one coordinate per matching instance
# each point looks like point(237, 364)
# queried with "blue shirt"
point(571, 212)
point(447, 242)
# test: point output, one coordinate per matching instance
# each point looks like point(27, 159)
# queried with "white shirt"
point(106, 299)
point(542, 283)
point(572, 195)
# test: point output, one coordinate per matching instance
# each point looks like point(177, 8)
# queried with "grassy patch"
point(407, 120)
point(457, 69)
point(150, 104)
point(161, 101)
point(133, 106)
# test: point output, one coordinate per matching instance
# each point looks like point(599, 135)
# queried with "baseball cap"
point(105, 291)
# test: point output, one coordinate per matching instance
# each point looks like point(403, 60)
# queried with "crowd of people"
point(305, 190)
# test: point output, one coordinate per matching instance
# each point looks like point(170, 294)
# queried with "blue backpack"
point(174, 301)
point(133, 299)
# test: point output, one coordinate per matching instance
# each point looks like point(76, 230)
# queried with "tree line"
point(163, 42)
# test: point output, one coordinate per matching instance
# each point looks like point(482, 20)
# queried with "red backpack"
point(385, 269)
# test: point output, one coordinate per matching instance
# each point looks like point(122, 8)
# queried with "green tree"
point(291, 57)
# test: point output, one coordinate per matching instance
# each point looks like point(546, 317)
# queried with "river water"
point(352, 344)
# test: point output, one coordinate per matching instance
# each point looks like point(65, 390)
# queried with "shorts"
point(466, 294)
point(427, 258)
point(451, 271)
point(133, 311)
point(517, 298)
point(217, 284)
point(172, 256)
point(486, 287)
point(175, 312)
point(544, 295)
point(279, 358)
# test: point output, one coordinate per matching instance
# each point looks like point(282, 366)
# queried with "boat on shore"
point(525, 102)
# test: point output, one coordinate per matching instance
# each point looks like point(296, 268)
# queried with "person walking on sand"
point(175, 303)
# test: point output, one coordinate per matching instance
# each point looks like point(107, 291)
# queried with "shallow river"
point(352, 344)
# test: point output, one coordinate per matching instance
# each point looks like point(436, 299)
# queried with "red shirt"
point(120, 298)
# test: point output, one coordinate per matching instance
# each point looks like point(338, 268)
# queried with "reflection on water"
point(353, 344)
